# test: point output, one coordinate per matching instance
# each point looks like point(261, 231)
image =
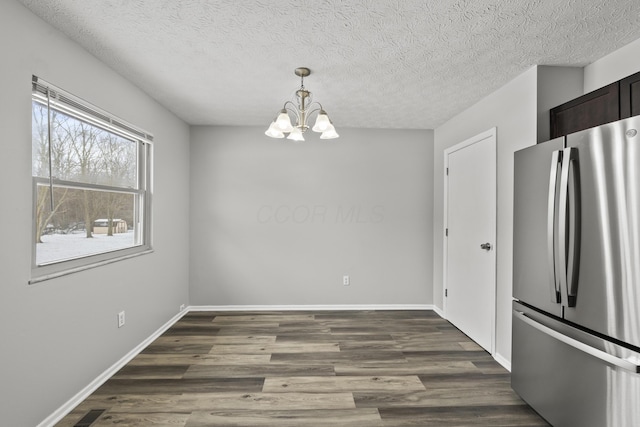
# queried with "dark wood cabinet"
point(616, 101)
point(592, 109)
point(630, 96)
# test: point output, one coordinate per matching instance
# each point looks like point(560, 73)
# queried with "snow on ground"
point(58, 247)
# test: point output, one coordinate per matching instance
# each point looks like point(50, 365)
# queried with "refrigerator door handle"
point(568, 209)
point(585, 348)
point(551, 226)
point(573, 253)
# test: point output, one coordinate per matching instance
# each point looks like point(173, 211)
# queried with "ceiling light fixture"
point(301, 111)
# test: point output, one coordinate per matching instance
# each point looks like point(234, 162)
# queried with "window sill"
point(45, 277)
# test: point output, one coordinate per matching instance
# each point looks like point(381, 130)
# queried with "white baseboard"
point(67, 407)
point(438, 311)
point(311, 307)
point(503, 361)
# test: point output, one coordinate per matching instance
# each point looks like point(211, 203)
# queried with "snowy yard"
point(58, 247)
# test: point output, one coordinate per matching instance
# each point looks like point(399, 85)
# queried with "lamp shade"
point(330, 133)
point(283, 122)
point(296, 135)
point(322, 122)
point(273, 131)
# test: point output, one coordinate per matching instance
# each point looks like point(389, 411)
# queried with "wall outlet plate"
point(181, 307)
point(346, 281)
point(121, 319)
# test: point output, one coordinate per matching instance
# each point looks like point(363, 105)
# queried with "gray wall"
point(58, 336)
point(279, 223)
point(613, 67)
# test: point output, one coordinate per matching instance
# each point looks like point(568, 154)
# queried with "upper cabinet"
point(616, 101)
point(630, 96)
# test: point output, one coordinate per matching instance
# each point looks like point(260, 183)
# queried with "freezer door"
point(572, 378)
point(536, 184)
point(606, 177)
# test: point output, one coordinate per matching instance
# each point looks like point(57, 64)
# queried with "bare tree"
point(118, 169)
point(84, 158)
point(45, 208)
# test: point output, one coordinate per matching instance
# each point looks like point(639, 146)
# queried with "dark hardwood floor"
point(333, 368)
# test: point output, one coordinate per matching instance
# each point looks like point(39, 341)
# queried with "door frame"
point(488, 134)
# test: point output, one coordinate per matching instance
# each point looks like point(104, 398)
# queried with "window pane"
point(83, 223)
point(81, 152)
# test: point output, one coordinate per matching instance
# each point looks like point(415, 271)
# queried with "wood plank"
point(151, 371)
point(373, 346)
point(249, 330)
point(378, 357)
point(287, 347)
point(177, 386)
point(265, 401)
point(378, 327)
point(328, 337)
point(141, 419)
point(178, 344)
point(254, 371)
point(438, 397)
point(291, 418)
point(409, 368)
point(243, 339)
point(438, 356)
point(477, 379)
point(477, 416)
point(342, 384)
point(193, 402)
point(151, 403)
point(200, 359)
point(263, 318)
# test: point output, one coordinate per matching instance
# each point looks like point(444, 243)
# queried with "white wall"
point(512, 110)
point(279, 223)
point(59, 335)
point(613, 67)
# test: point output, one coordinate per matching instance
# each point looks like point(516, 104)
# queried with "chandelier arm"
point(314, 107)
point(293, 109)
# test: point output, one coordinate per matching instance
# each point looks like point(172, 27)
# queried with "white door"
point(470, 236)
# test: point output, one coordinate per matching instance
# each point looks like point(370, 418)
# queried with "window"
point(91, 184)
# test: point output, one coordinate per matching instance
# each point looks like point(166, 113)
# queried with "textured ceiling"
point(375, 63)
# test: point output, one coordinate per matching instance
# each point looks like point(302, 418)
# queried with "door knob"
point(486, 246)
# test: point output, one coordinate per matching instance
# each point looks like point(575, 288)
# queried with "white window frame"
point(70, 105)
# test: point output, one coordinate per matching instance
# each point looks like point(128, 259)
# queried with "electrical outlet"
point(346, 281)
point(121, 319)
point(181, 307)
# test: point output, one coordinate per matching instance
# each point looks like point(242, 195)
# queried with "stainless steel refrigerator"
point(576, 278)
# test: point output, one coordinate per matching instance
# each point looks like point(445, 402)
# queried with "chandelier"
point(301, 110)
